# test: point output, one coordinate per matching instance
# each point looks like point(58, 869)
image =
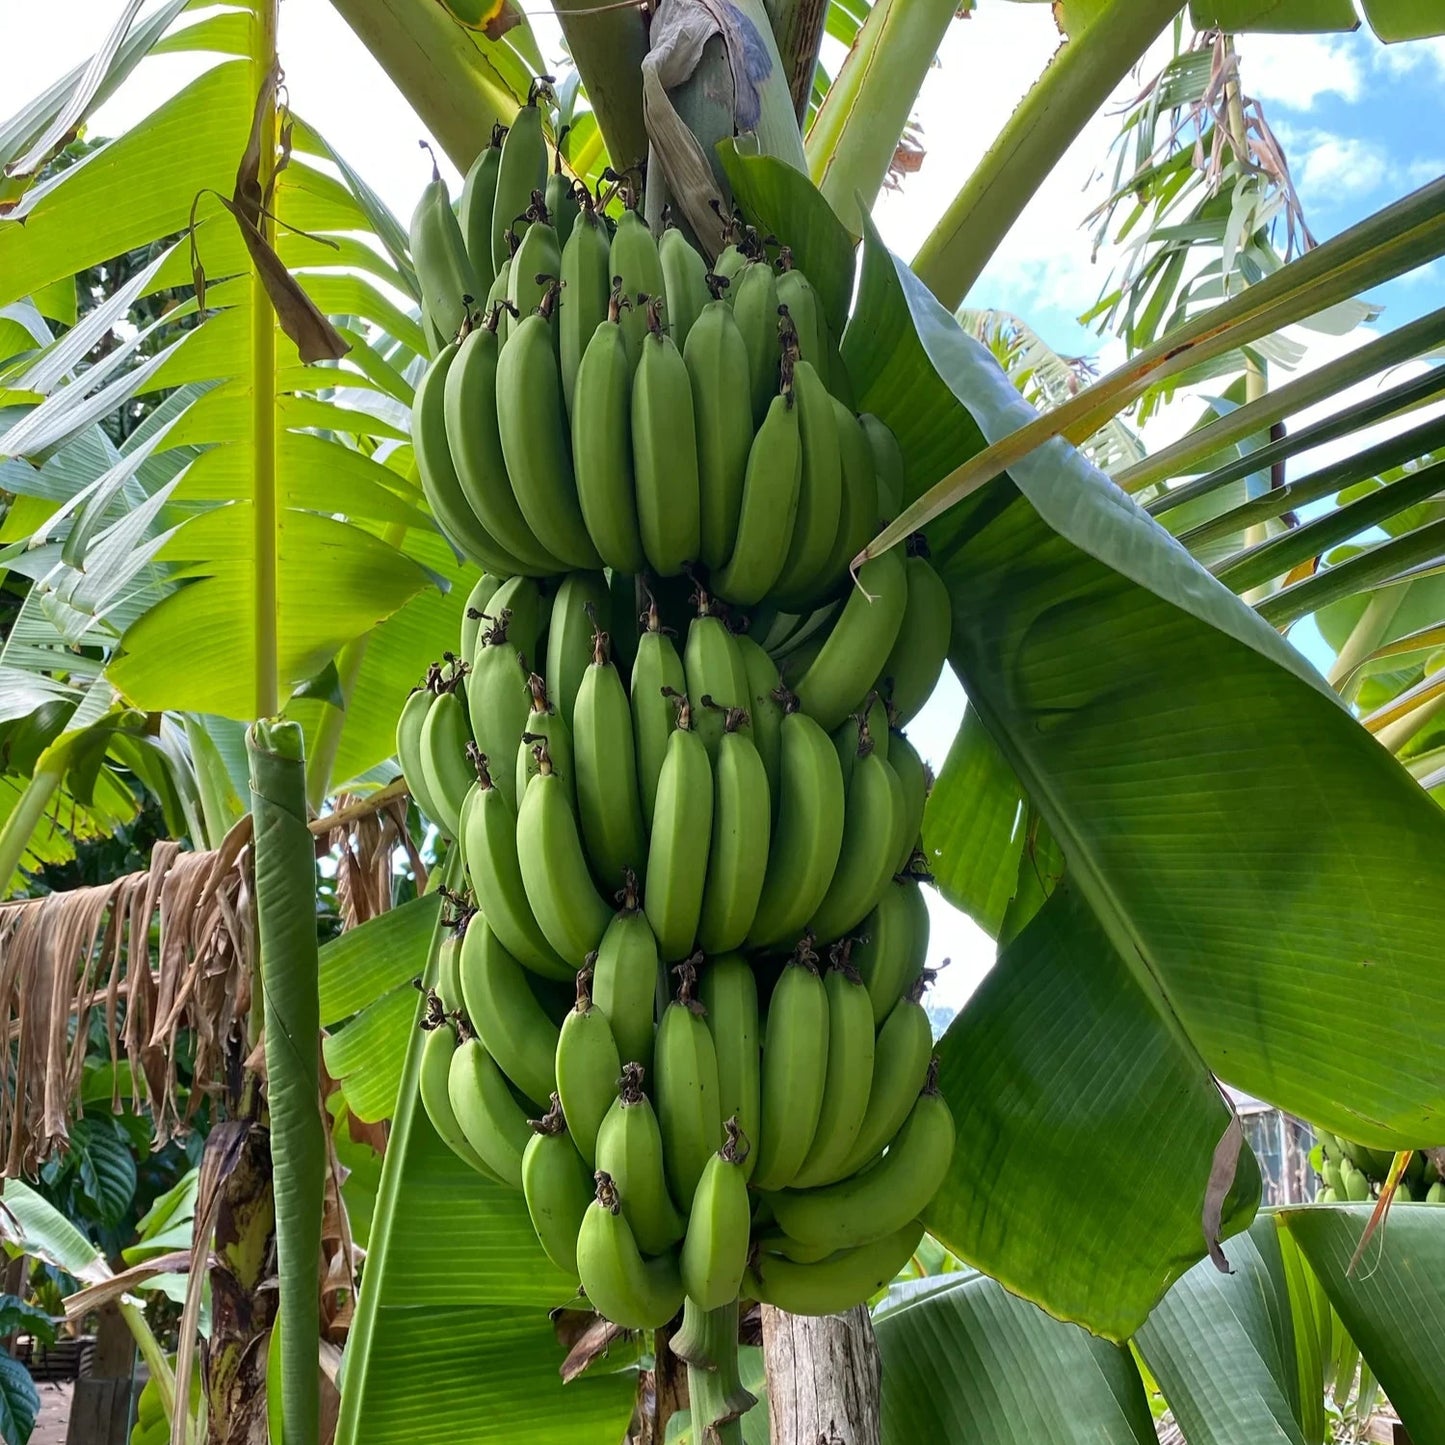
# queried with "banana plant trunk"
point(824, 1378)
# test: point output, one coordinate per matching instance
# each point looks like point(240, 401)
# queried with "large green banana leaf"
point(1255, 860)
point(1235, 1357)
point(1392, 1301)
point(963, 1359)
point(152, 558)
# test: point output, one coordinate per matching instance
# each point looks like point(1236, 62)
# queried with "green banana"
point(1357, 1183)
point(504, 1012)
point(521, 169)
point(470, 403)
point(664, 453)
point(581, 598)
point(715, 1249)
point(835, 1284)
point(888, 466)
point(894, 945)
point(449, 960)
point(533, 428)
point(625, 978)
point(769, 507)
point(528, 611)
point(563, 204)
point(636, 1293)
point(795, 1062)
point(629, 1150)
point(439, 481)
point(607, 796)
point(409, 727)
point(805, 577)
point(444, 766)
point(474, 610)
point(545, 724)
point(686, 1080)
point(796, 292)
point(554, 870)
point(870, 721)
point(601, 410)
point(474, 213)
point(872, 823)
point(636, 269)
point(494, 1123)
point(901, 1058)
point(717, 680)
point(536, 264)
point(845, 667)
point(558, 1187)
point(882, 1199)
point(807, 832)
point(849, 1076)
point(657, 676)
point(586, 290)
point(915, 780)
point(489, 844)
point(737, 857)
point(498, 700)
point(1333, 1178)
point(684, 284)
point(436, 1061)
point(497, 307)
point(448, 283)
point(729, 992)
point(717, 365)
point(754, 295)
point(765, 713)
point(587, 1068)
point(913, 667)
point(680, 839)
point(1436, 1193)
point(858, 517)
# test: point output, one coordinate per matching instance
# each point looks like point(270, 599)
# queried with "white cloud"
point(1295, 71)
point(1333, 167)
point(1401, 59)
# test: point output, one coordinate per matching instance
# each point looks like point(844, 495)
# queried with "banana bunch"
point(1354, 1172)
point(678, 1003)
point(599, 397)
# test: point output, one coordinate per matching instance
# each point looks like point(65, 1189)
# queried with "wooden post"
point(824, 1378)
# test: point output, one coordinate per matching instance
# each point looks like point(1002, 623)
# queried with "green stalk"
point(1365, 636)
point(457, 93)
point(1080, 78)
point(608, 46)
point(285, 862)
point(23, 821)
point(264, 504)
point(708, 1343)
point(855, 132)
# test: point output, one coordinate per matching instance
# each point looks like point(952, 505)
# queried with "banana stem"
point(23, 820)
point(708, 1342)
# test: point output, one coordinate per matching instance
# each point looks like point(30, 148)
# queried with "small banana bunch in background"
point(679, 1002)
point(1354, 1172)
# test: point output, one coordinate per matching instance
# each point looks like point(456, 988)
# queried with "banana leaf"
point(1252, 857)
point(1392, 1302)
